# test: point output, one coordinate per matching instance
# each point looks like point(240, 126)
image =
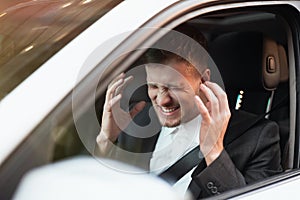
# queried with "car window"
point(32, 31)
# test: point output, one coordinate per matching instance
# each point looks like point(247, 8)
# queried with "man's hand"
point(215, 117)
point(114, 118)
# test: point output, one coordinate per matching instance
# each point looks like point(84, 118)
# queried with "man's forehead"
point(167, 73)
point(168, 69)
point(166, 79)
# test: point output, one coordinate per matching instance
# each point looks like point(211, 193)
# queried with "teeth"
point(168, 110)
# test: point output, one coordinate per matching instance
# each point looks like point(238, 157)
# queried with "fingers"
point(202, 109)
point(122, 75)
point(111, 98)
point(118, 85)
point(216, 97)
point(121, 87)
point(113, 85)
point(220, 94)
point(115, 100)
point(211, 97)
point(115, 89)
point(137, 108)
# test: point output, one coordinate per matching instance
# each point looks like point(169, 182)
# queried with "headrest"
point(274, 64)
point(249, 60)
point(284, 67)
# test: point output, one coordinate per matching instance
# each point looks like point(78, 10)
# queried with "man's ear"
point(205, 76)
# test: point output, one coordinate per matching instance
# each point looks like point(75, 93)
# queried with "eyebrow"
point(180, 85)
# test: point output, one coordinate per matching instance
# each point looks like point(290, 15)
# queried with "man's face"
point(171, 89)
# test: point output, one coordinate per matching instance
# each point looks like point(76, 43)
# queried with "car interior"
point(252, 50)
point(253, 63)
point(249, 49)
point(252, 59)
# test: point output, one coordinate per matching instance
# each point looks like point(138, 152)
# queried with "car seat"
point(254, 69)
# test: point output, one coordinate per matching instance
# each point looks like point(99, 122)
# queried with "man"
point(193, 111)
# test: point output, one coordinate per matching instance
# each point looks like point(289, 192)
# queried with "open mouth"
point(169, 110)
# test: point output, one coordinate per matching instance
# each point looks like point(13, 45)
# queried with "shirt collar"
point(187, 127)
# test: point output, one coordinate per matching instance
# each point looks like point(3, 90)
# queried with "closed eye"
point(152, 86)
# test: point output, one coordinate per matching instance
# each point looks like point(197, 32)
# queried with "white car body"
point(24, 108)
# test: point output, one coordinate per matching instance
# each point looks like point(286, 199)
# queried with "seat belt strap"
point(182, 166)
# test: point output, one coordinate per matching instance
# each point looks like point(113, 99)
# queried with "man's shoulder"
point(243, 122)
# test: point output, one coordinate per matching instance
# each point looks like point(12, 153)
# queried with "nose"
point(163, 98)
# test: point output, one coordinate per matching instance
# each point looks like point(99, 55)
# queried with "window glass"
point(32, 31)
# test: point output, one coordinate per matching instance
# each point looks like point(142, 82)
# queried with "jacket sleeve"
point(218, 177)
point(256, 156)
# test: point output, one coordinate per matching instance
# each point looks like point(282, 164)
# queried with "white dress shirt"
point(172, 144)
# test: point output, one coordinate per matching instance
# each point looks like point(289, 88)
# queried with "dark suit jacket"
point(250, 154)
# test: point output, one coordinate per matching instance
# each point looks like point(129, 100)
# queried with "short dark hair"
point(181, 46)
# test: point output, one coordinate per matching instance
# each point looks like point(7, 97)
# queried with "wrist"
point(104, 145)
point(103, 138)
point(213, 154)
